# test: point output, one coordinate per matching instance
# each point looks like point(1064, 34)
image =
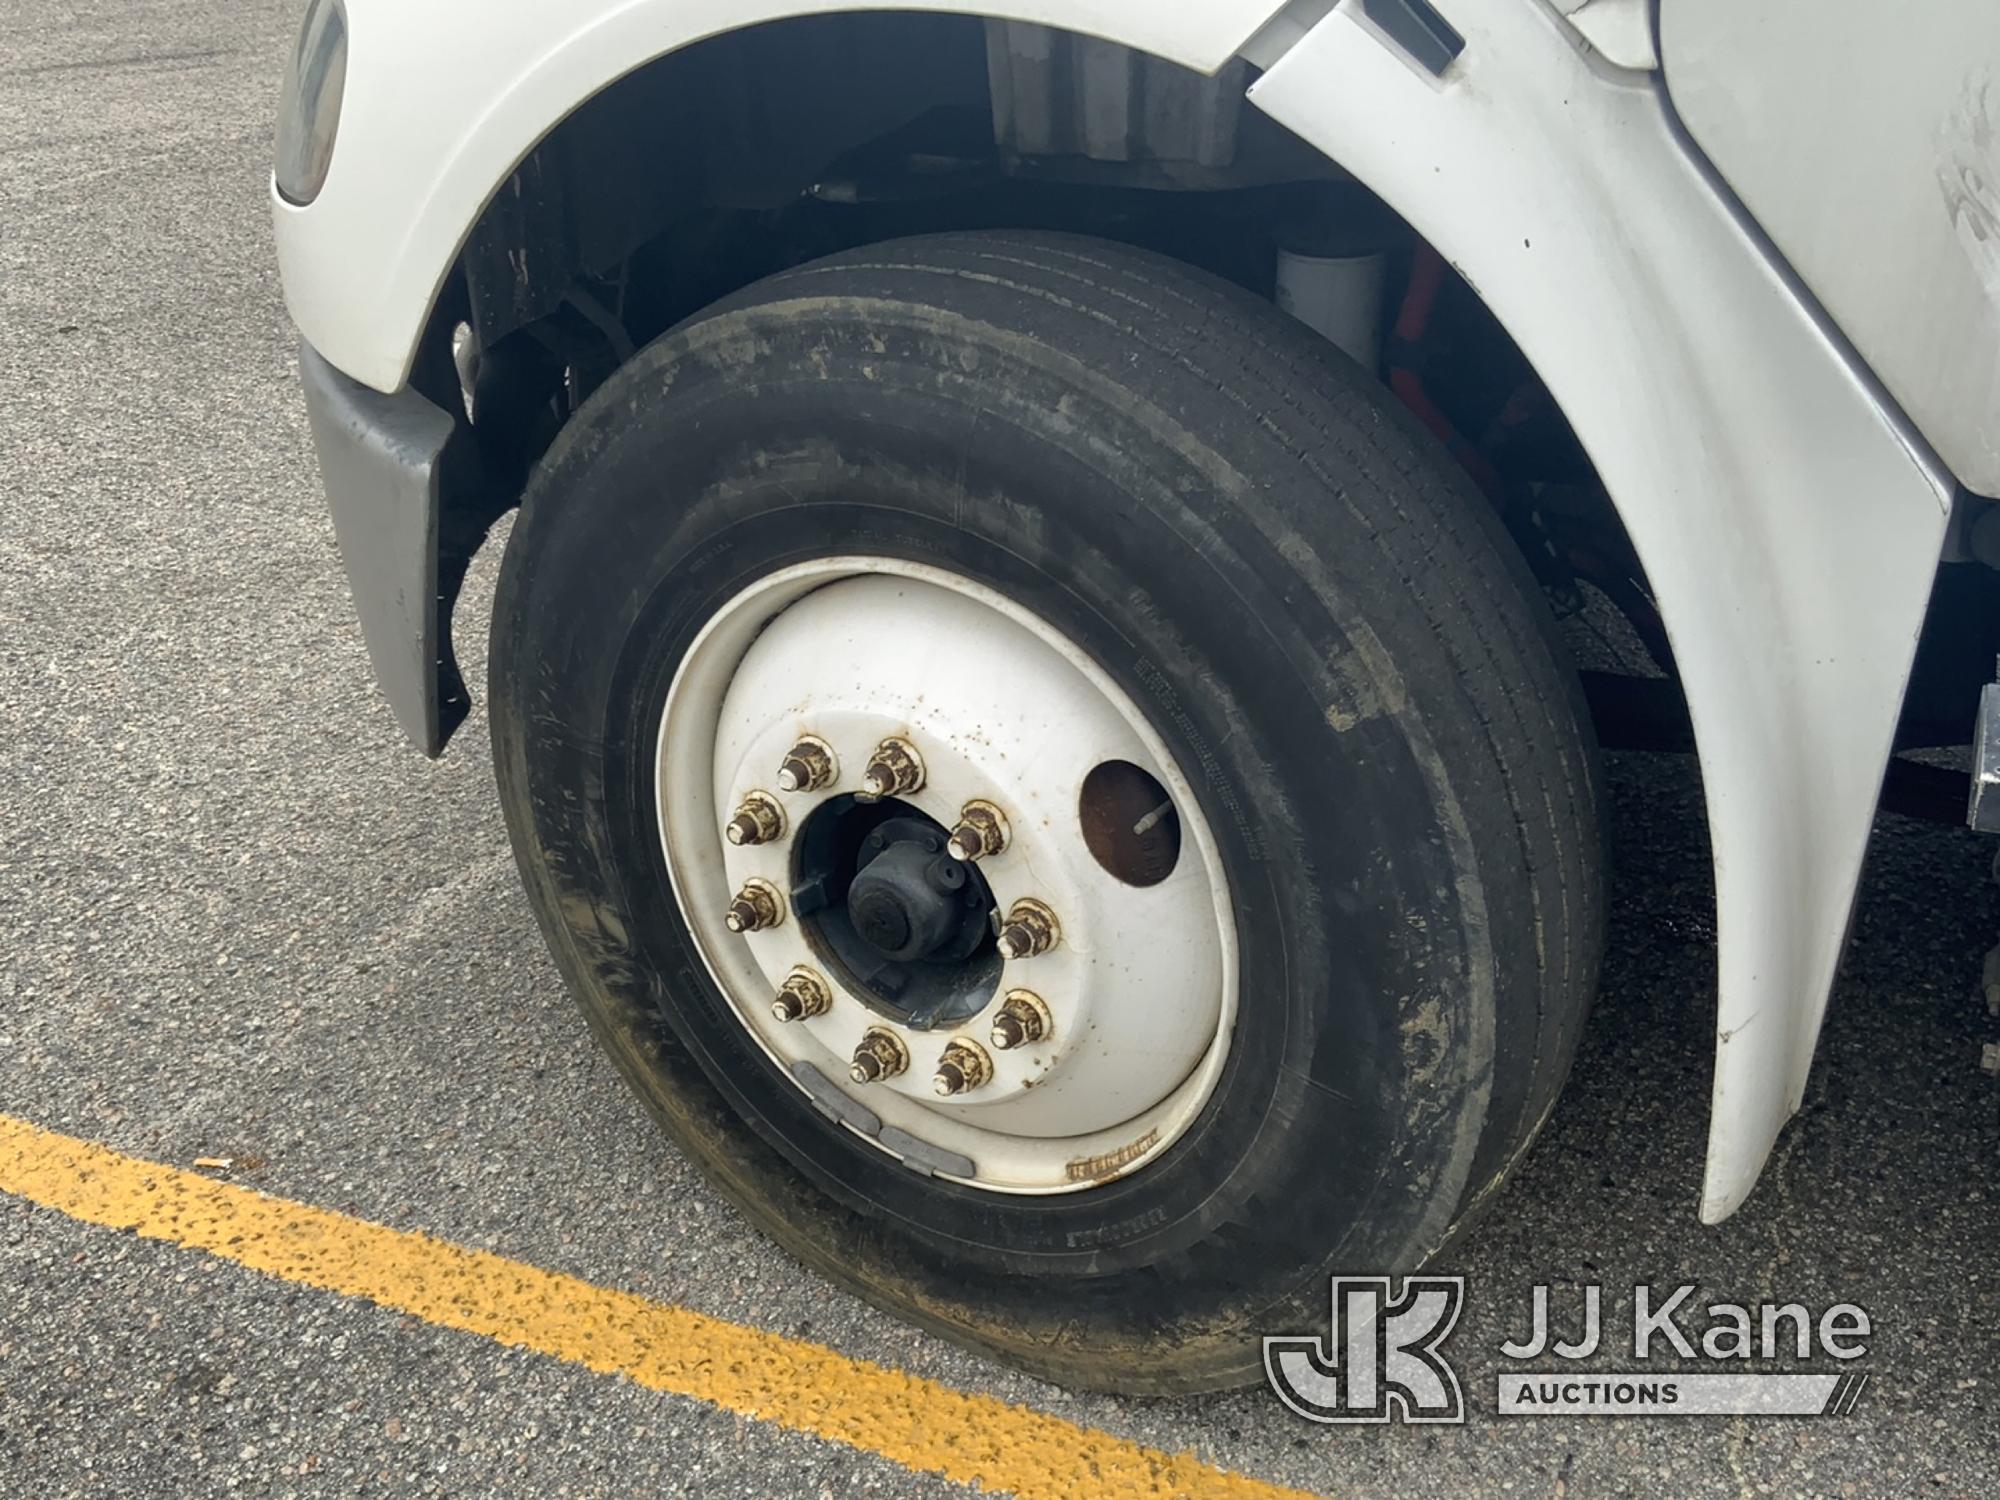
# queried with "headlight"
point(309, 110)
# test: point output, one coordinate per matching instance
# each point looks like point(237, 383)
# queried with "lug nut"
point(757, 905)
point(804, 995)
point(758, 819)
point(982, 830)
point(808, 766)
point(963, 1067)
point(892, 771)
point(880, 1055)
point(1030, 928)
point(1022, 1018)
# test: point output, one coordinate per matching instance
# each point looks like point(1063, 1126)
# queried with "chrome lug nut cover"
point(1029, 928)
point(804, 995)
point(757, 906)
point(1022, 1018)
point(880, 1055)
point(757, 820)
point(809, 766)
point(981, 830)
point(963, 1067)
point(894, 770)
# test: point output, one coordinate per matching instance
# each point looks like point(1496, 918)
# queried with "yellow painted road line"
point(917, 1423)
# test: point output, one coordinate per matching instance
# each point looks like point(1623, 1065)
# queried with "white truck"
point(1024, 683)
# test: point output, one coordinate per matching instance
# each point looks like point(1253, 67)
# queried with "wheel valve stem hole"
point(1130, 824)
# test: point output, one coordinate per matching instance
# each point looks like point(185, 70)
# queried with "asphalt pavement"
point(241, 920)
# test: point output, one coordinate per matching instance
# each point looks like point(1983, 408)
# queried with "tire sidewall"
point(1342, 1128)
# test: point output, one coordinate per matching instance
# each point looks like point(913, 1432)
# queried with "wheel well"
point(766, 147)
point(757, 149)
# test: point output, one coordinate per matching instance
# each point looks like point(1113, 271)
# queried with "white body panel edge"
point(1788, 523)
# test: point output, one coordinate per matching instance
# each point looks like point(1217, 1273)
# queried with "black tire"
point(1335, 640)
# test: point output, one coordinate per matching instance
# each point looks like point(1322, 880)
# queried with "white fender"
point(444, 99)
point(1788, 521)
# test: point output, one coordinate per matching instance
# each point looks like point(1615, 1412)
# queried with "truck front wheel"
point(1053, 791)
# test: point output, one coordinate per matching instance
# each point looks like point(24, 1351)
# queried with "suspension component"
point(981, 830)
point(808, 766)
point(1021, 1018)
point(757, 820)
point(894, 770)
point(1030, 928)
point(880, 1055)
point(758, 905)
point(804, 995)
point(963, 1067)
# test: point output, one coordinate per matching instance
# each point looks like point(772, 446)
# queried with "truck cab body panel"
point(1862, 138)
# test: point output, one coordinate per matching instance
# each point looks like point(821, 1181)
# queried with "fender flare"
point(1788, 519)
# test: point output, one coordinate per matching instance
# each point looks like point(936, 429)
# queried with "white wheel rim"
point(1141, 985)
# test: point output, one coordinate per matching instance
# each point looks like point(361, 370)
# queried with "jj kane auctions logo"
point(1384, 1361)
